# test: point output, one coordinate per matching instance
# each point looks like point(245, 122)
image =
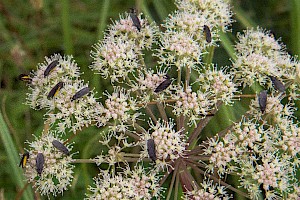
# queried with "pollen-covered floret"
point(131, 184)
point(57, 170)
point(208, 191)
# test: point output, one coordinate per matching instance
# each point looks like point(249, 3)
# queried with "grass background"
point(30, 30)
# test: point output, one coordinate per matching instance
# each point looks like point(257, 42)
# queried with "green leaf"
point(13, 159)
point(66, 26)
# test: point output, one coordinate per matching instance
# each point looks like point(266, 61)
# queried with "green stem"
point(176, 187)
point(295, 26)
point(172, 181)
point(103, 18)
point(13, 158)
point(208, 58)
point(149, 112)
point(162, 111)
point(66, 26)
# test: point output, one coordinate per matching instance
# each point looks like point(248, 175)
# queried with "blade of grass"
point(13, 158)
point(102, 20)
point(144, 8)
point(160, 8)
point(66, 26)
point(244, 18)
point(227, 44)
point(295, 26)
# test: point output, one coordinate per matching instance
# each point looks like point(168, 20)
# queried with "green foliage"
point(29, 32)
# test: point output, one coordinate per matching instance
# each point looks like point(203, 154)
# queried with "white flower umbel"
point(216, 12)
point(130, 184)
point(259, 56)
point(115, 58)
point(261, 152)
point(208, 191)
point(125, 29)
point(178, 49)
point(218, 83)
point(169, 143)
point(65, 71)
point(73, 114)
point(119, 54)
point(119, 107)
point(192, 24)
point(192, 104)
point(57, 170)
point(69, 114)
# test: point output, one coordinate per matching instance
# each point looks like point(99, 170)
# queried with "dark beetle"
point(135, 19)
point(207, 33)
point(163, 85)
point(54, 91)
point(262, 100)
point(24, 159)
point(81, 93)
point(60, 147)
point(25, 78)
point(50, 67)
point(40, 160)
point(151, 149)
point(278, 85)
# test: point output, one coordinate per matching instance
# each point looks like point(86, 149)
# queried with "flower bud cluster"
point(218, 83)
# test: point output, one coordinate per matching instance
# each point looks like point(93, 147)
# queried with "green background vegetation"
point(30, 30)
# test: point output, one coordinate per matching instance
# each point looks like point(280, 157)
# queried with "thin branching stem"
point(150, 113)
point(201, 125)
point(167, 173)
point(217, 180)
point(172, 181)
point(162, 111)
